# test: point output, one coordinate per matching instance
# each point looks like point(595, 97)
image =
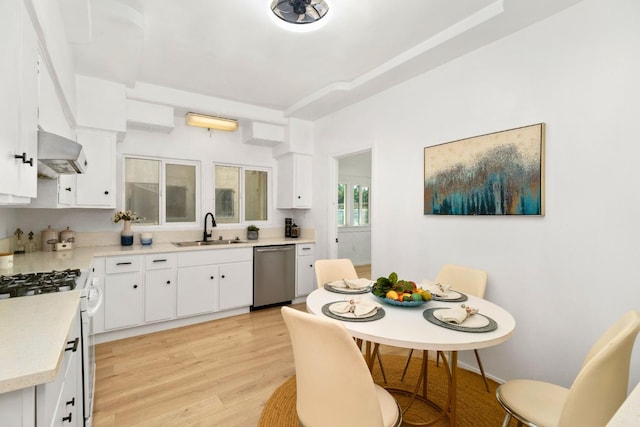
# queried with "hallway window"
point(353, 211)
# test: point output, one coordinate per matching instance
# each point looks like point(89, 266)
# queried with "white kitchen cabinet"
point(123, 292)
point(97, 187)
point(160, 281)
point(59, 403)
point(294, 181)
point(305, 272)
point(236, 285)
point(197, 290)
point(18, 407)
point(18, 110)
point(200, 280)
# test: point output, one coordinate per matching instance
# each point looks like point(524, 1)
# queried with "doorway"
point(352, 210)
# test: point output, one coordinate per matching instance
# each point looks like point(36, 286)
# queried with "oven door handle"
point(93, 307)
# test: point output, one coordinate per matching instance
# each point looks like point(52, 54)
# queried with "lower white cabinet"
point(213, 280)
point(123, 292)
point(159, 287)
point(197, 290)
point(59, 403)
point(160, 280)
point(305, 271)
point(234, 278)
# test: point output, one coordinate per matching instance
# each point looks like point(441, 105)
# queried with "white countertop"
point(33, 334)
point(81, 257)
point(33, 330)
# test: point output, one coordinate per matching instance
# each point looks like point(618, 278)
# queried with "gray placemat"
point(342, 291)
point(428, 314)
point(325, 310)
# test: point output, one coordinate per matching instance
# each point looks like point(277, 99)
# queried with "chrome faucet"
point(206, 235)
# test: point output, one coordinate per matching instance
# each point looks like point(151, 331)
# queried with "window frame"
point(162, 203)
point(350, 184)
point(242, 221)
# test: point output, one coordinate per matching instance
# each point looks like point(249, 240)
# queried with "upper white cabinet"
point(93, 189)
point(294, 181)
point(18, 110)
point(97, 187)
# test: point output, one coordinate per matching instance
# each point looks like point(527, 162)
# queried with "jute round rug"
point(476, 407)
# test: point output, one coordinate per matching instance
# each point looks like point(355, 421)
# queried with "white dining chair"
point(595, 395)
point(329, 270)
point(334, 385)
point(470, 281)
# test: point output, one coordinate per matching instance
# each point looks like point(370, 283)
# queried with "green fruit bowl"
point(401, 303)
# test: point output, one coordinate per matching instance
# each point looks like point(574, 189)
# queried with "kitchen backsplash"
point(109, 238)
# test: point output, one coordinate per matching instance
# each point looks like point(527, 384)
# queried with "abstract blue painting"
point(500, 173)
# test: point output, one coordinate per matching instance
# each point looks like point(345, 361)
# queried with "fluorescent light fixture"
point(211, 122)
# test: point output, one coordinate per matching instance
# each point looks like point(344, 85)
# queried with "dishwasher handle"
point(275, 249)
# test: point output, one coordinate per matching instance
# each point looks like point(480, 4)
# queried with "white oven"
point(90, 301)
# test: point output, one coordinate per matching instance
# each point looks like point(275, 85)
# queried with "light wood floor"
point(218, 373)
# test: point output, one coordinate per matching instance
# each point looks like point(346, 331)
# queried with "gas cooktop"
point(18, 285)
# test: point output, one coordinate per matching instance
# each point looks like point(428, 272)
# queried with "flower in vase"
point(125, 216)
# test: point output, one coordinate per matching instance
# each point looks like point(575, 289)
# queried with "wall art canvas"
point(500, 173)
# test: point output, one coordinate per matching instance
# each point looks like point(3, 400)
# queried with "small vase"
point(252, 234)
point(126, 235)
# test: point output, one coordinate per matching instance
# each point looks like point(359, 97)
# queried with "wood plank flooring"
point(218, 373)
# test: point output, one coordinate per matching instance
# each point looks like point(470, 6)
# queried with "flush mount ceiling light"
point(211, 122)
point(299, 15)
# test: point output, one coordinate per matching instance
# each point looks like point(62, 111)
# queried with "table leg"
point(453, 389)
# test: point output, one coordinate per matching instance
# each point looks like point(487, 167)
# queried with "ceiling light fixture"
point(299, 15)
point(211, 122)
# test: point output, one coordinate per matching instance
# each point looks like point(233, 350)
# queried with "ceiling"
point(232, 50)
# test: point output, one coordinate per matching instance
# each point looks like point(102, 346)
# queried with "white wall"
point(566, 276)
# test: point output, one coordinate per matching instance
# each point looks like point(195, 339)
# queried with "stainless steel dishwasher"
point(274, 275)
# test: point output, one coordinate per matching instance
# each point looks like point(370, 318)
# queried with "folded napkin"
point(436, 289)
point(350, 283)
point(354, 307)
point(456, 314)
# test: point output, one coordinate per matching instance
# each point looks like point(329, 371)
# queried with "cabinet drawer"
point(305, 248)
point(214, 256)
point(123, 264)
point(160, 261)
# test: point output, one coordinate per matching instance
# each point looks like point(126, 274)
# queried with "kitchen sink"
point(208, 242)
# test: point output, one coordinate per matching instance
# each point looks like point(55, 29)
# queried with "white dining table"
point(422, 335)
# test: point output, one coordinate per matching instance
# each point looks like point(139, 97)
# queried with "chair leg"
point(406, 365)
point(507, 419)
point(484, 378)
point(384, 376)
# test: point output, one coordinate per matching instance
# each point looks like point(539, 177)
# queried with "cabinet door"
point(28, 172)
point(294, 181)
point(123, 298)
point(67, 190)
point(236, 285)
point(302, 182)
point(10, 95)
point(96, 187)
point(197, 290)
point(160, 295)
point(305, 276)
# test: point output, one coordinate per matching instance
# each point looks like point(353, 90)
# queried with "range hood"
point(59, 155)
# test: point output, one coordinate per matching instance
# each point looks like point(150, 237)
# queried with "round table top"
point(406, 327)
